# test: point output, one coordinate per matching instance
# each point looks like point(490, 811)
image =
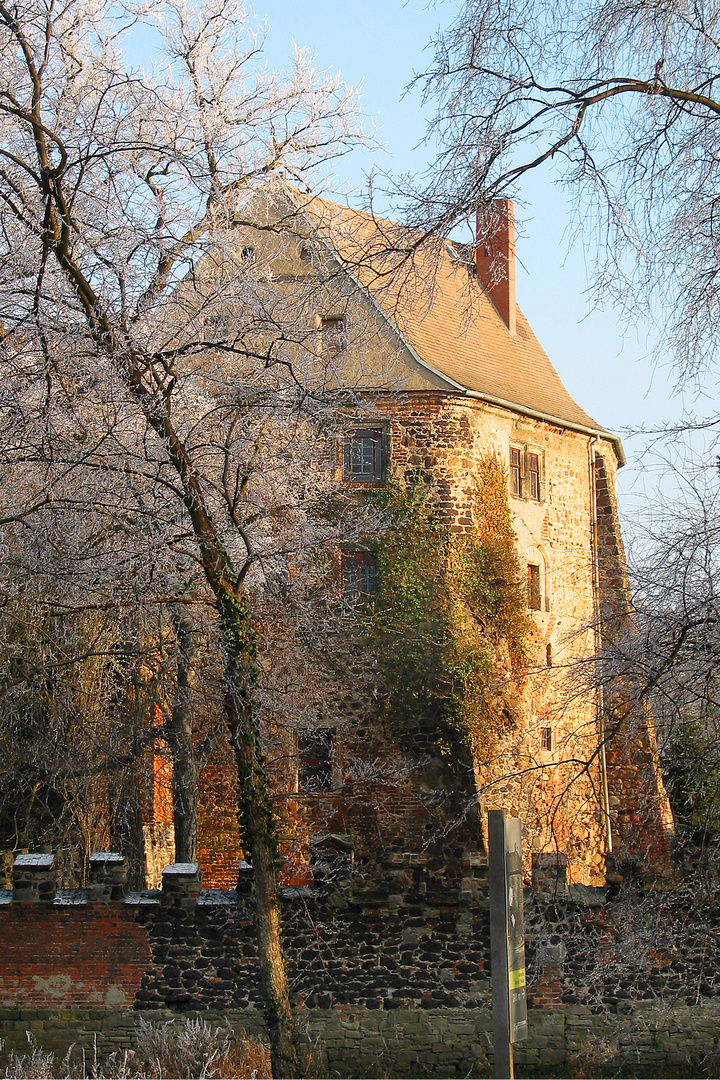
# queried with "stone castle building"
point(454, 373)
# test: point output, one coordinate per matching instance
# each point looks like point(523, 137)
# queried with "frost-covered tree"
point(167, 403)
point(620, 101)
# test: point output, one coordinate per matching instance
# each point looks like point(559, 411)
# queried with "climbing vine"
point(449, 622)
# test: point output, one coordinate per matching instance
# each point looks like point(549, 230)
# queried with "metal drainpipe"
point(598, 634)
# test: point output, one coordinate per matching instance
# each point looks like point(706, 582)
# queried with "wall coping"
point(182, 869)
point(35, 861)
point(105, 857)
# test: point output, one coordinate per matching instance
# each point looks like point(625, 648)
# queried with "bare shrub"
point(35, 1065)
point(248, 1060)
point(193, 1050)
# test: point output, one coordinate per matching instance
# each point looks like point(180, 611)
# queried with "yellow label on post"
point(517, 978)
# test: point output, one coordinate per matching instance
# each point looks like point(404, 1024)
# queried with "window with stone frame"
point(534, 591)
point(547, 739)
point(364, 456)
point(533, 476)
point(516, 470)
point(359, 573)
point(526, 468)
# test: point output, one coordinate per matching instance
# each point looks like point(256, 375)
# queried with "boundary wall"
point(388, 977)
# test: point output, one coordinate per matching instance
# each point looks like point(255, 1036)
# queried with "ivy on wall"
point(449, 624)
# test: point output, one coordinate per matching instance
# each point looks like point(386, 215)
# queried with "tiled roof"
point(431, 294)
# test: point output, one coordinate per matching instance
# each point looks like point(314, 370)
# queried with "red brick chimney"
point(495, 258)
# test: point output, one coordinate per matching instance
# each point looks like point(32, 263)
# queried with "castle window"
point(534, 475)
point(534, 596)
point(516, 470)
point(548, 655)
point(334, 337)
point(547, 739)
point(314, 760)
point(359, 572)
point(526, 473)
point(305, 256)
point(363, 456)
point(248, 254)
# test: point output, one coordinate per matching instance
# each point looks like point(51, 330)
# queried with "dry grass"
point(193, 1050)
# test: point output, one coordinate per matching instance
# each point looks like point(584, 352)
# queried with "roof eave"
point(548, 418)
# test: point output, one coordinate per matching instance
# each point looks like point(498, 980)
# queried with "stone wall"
point(554, 791)
point(388, 980)
point(572, 1041)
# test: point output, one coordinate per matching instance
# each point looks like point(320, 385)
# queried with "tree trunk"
point(179, 732)
point(237, 634)
point(257, 825)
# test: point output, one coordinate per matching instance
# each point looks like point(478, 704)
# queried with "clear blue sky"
point(381, 43)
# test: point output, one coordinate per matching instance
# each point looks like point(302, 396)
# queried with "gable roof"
point(428, 290)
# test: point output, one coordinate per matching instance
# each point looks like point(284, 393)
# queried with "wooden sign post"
point(507, 938)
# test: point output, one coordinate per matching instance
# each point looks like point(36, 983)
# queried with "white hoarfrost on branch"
point(168, 411)
point(620, 101)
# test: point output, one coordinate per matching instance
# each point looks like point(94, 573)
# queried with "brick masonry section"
point(56, 956)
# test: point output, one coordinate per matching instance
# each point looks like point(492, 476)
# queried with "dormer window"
point(363, 456)
point(334, 338)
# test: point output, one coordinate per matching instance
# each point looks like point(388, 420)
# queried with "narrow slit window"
point(547, 742)
point(548, 655)
point(534, 597)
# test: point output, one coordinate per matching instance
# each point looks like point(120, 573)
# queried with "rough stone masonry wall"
point(444, 437)
point(553, 792)
point(640, 809)
point(387, 983)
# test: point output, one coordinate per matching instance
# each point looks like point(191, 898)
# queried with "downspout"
point(594, 545)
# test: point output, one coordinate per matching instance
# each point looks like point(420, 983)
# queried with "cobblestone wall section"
point(384, 981)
